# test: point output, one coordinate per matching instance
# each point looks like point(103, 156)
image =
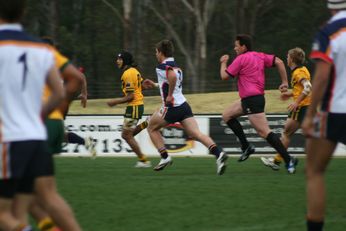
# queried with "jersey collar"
point(341, 14)
point(11, 26)
point(168, 61)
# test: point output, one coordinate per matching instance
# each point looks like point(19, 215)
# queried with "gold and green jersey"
point(298, 74)
point(132, 83)
point(60, 62)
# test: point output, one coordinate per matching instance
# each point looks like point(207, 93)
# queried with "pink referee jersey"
point(249, 68)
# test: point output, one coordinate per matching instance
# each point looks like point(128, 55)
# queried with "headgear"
point(336, 4)
point(126, 57)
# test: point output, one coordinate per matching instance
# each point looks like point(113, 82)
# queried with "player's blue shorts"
point(176, 114)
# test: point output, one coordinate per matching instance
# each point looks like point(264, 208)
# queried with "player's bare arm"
point(54, 83)
point(172, 80)
point(127, 98)
point(320, 83)
point(84, 92)
point(286, 95)
point(73, 80)
point(149, 84)
point(223, 66)
point(283, 75)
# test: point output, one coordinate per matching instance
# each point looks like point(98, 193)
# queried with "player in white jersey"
point(26, 64)
point(325, 128)
point(163, 82)
point(175, 108)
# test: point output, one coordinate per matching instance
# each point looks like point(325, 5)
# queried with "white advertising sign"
point(106, 131)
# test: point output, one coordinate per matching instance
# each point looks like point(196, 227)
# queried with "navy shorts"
point(253, 104)
point(331, 126)
point(176, 114)
point(21, 163)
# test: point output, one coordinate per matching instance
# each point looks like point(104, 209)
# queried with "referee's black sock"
point(276, 143)
point(239, 132)
point(73, 138)
point(314, 226)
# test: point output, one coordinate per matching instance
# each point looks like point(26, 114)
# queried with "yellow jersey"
point(61, 62)
point(298, 74)
point(132, 83)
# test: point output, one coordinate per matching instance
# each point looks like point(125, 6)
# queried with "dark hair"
point(165, 47)
point(127, 58)
point(12, 10)
point(246, 40)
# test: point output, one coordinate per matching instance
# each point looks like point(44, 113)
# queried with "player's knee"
point(285, 137)
point(4, 214)
point(287, 133)
point(126, 135)
point(226, 117)
point(153, 128)
point(194, 136)
point(263, 133)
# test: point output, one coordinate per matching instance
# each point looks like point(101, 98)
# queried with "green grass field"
point(109, 194)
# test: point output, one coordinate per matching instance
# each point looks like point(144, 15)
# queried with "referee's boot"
point(246, 153)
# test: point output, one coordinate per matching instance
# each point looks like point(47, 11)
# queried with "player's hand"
point(224, 59)
point(83, 100)
point(148, 84)
point(292, 107)
point(285, 95)
point(283, 87)
point(169, 101)
point(111, 103)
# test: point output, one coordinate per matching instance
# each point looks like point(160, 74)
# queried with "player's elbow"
point(129, 97)
point(73, 78)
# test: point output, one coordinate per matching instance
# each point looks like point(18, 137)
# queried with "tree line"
point(92, 32)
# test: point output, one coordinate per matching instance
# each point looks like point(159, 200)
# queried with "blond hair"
point(297, 55)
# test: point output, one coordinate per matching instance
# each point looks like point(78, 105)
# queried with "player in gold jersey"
point(73, 81)
point(301, 88)
point(131, 81)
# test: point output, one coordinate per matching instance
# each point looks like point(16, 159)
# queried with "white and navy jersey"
point(162, 71)
point(24, 66)
point(330, 45)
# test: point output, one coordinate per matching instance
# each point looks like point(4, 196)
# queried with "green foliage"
point(90, 33)
point(110, 194)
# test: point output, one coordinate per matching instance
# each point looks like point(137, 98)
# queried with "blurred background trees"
point(92, 32)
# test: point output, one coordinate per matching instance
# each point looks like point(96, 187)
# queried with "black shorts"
point(299, 114)
point(177, 114)
point(22, 162)
point(331, 126)
point(253, 104)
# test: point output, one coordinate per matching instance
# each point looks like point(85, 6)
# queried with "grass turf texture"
point(110, 194)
